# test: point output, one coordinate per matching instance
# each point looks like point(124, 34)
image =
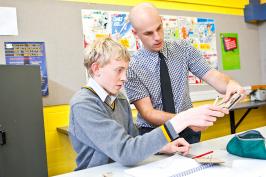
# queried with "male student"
point(101, 126)
point(158, 74)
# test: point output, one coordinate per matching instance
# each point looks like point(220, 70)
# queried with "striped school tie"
point(108, 101)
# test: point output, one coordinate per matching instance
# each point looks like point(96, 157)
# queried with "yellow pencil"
point(215, 101)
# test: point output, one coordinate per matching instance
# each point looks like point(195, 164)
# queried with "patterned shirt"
point(144, 75)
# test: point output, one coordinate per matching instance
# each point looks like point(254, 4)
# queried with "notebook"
point(179, 166)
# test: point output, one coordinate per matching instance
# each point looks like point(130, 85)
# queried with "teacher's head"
point(147, 26)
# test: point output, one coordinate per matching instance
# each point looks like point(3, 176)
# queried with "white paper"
point(250, 167)
point(8, 21)
point(175, 165)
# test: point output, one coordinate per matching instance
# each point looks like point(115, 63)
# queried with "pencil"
point(201, 155)
point(215, 101)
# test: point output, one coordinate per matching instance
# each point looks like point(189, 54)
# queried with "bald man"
point(145, 82)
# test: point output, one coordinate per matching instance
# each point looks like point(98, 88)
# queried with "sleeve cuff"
point(169, 132)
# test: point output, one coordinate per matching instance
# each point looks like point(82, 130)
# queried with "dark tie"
point(166, 88)
point(168, 100)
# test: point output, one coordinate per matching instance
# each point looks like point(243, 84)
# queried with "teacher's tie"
point(166, 88)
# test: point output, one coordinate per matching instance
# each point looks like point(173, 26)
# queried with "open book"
point(178, 166)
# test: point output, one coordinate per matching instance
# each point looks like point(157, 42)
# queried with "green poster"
point(230, 51)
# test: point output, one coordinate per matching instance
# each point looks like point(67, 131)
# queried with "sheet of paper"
point(250, 167)
point(8, 21)
point(174, 165)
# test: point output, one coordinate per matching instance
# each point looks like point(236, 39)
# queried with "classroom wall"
point(217, 6)
point(262, 42)
point(58, 24)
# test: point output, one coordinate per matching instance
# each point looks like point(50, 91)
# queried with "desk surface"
point(217, 144)
point(63, 130)
point(249, 104)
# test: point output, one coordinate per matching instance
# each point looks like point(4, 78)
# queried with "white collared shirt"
point(99, 90)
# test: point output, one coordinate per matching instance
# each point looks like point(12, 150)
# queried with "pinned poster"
point(122, 30)
point(28, 53)
point(200, 32)
point(230, 51)
point(95, 25)
point(8, 21)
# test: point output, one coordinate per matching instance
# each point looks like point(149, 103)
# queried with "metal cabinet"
point(22, 139)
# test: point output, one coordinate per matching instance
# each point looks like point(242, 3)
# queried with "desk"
point(63, 130)
point(249, 105)
point(217, 144)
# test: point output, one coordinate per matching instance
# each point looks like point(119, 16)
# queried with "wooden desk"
point(63, 130)
point(249, 105)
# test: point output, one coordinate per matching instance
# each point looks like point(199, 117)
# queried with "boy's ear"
point(95, 68)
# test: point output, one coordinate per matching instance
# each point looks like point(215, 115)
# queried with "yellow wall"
point(234, 7)
point(61, 157)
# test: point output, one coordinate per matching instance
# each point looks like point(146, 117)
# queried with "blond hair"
point(102, 50)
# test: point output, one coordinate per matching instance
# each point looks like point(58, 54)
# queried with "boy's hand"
point(178, 145)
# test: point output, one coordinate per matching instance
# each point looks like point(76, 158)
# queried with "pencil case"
point(250, 144)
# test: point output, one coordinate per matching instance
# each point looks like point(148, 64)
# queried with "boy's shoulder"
point(83, 95)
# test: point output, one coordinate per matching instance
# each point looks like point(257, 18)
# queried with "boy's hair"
point(102, 50)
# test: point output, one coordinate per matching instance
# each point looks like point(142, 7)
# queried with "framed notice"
point(230, 51)
point(28, 53)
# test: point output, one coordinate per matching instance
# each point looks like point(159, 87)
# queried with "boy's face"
point(112, 75)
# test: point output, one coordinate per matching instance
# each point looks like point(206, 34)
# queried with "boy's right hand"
point(203, 116)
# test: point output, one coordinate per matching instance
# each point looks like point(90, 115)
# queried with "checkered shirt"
point(144, 75)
